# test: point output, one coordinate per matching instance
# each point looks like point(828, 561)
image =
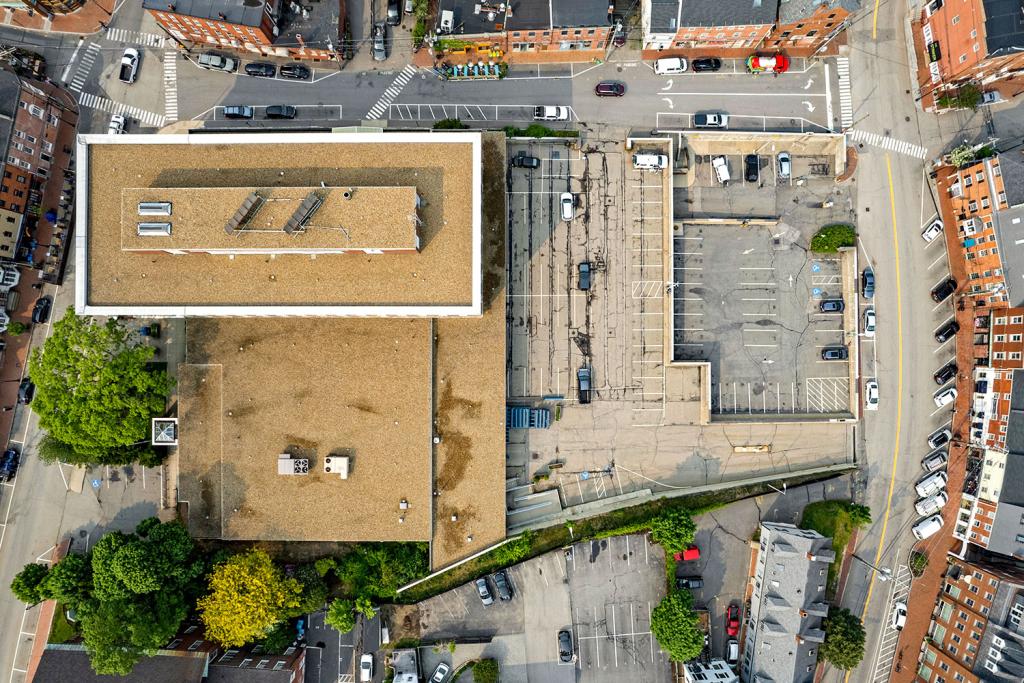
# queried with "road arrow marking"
point(669, 85)
point(669, 100)
point(810, 107)
point(810, 82)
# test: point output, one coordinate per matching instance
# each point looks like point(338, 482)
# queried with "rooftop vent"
point(288, 465)
point(151, 229)
point(246, 212)
point(337, 464)
point(447, 21)
point(303, 213)
point(154, 208)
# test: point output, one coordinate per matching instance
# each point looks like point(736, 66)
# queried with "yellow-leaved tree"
point(248, 595)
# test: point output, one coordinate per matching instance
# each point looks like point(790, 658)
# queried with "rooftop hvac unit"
point(336, 464)
point(151, 229)
point(154, 208)
point(286, 464)
point(447, 21)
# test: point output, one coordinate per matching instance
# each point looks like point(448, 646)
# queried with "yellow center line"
point(899, 389)
point(874, 23)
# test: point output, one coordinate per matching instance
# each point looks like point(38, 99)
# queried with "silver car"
point(379, 50)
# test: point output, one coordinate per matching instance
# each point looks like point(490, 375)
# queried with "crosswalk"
point(391, 93)
point(122, 35)
point(147, 118)
point(845, 96)
point(84, 66)
point(891, 144)
point(171, 85)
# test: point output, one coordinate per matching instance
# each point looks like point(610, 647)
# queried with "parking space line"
point(615, 648)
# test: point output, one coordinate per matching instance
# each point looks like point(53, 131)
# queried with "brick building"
point(272, 28)
point(51, 7)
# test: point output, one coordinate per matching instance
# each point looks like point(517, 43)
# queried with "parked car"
point(931, 504)
point(264, 69)
point(441, 672)
point(236, 111)
point(711, 120)
point(871, 395)
point(935, 460)
point(721, 166)
point(484, 592)
point(944, 290)
point(366, 668)
point(834, 353)
point(567, 201)
point(650, 162)
point(610, 89)
point(933, 483)
point(379, 48)
point(926, 528)
point(899, 616)
point(939, 438)
point(688, 555)
point(867, 283)
point(9, 465)
point(732, 620)
point(706, 64)
point(585, 276)
point(752, 168)
point(281, 111)
point(947, 331)
point(564, 646)
point(944, 397)
point(394, 12)
point(619, 34)
point(212, 60)
point(297, 71)
point(869, 322)
point(777, 63)
point(551, 113)
point(933, 230)
point(666, 66)
point(502, 585)
point(689, 582)
point(785, 166)
point(991, 97)
point(583, 378)
point(945, 373)
point(831, 306)
point(524, 160)
point(732, 652)
point(117, 125)
point(26, 390)
point(129, 66)
point(41, 311)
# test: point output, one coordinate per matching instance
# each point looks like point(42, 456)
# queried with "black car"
point(585, 275)
point(867, 283)
point(501, 585)
point(752, 168)
point(524, 160)
point(26, 390)
point(609, 89)
point(944, 291)
point(831, 306)
point(565, 646)
point(689, 582)
point(834, 353)
point(281, 111)
point(945, 373)
point(41, 311)
point(298, 71)
point(265, 69)
point(946, 331)
point(706, 64)
point(394, 12)
point(8, 465)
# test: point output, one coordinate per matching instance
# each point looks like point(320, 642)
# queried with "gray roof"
point(320, 26)
point(64, 663)
point(466, 21)
point(1006, 527)
point(10, 87)
point(531, 14)
point(727, 12)
point(233, 674)
point(575, 13)
point(664, 16)
point(1004, 26)
point(786, 612)
point(1009, 225)
point(795, 10)
point(1011, 166)
point(245, 12)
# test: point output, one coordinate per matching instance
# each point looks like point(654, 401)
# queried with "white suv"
point(927, 527)
point(117, 124)
point(670, 65)
point(933, 483)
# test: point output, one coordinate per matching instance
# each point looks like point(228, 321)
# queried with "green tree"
point(51, 451)
point(94, 391)
point(106, 584)
point(69, 581)
point(844, 639)
point(27, 584)
point(378, 570)
point(365, 607)
point(248, 594)
point(314, 590)
point(16, 328)
point(325, 565)
point(117, 633)
point(674, 530)
point(485, 671)
point(859, 514)
point(279, 638)
point(677, 626)
point(341, 615)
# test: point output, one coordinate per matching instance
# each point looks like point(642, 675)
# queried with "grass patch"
point(535, 130)
point(918, 563)
point(837, 519)
point(831, 238)
point(62, 630)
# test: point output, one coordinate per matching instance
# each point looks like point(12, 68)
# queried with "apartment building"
point(976, 632)
point(965, 40)
point(784, 626)
point(714, 671)
point(272, 28)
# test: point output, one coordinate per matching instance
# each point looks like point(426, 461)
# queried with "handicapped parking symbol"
point(816, 291)
point(815, 267)
point(95, 483)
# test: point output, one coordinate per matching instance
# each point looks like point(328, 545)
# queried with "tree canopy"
point(94, 391)
point(69, 581)
point(844, 639)
point(248, 595)
point(674, 530)
point(379, 570)
point(27, 584)
point(341, 615)
point(677, 626)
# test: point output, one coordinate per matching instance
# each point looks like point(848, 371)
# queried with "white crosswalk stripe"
point(845, 96)
point(891, 144)
point(84, 66)
point(121, 35)
point(171, 85)
point(391, 93)
point(111, 107)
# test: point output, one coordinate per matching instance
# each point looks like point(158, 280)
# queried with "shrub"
point(673, 530)
point(514, 551)
point(341, 615)
point(485, 671)
point(16, 328)
point(325, 565)
point(829, 239)
point(918, 563)
point(449, 124)
point(677, 626)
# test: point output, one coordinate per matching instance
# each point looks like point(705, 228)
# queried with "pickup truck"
point(583, 377)
point(212, 60)
point(551, 113)
point(129, 66)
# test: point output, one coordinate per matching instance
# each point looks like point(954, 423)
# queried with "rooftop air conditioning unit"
point(336, 464)
point(447, 21)
point(154, 208)
point(288, 465)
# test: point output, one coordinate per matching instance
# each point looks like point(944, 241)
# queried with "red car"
point(691, 553)
point(777, 63)
point(732, 621)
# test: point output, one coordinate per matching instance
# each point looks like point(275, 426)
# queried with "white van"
point(927, 527)
point(933, 483)
point(721, 166)
point(669, 65)
point(650, 162)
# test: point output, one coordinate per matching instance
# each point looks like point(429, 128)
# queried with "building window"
point(173, 644)
point(963, 58)
point(263, 664)
point(984, 202)
point(196, 645)
point(1002, 197)
point(956, 20)
point(972, 205)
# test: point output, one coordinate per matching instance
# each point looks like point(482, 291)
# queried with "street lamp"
point(884, 572)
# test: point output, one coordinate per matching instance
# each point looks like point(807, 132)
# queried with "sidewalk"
point(88, 19)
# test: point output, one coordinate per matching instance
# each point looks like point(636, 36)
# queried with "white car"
point(785, 166)
point(670, 65)
point(551, 113)
point(927, 527)
point(899, 616)
point(366, 668)
point(933, 230)
point(440, 673)
point(931, 504)
point(117, 125)
point(934, 461)
point(869, 323)
point(568, 203)
point(931, 484)
point(129, 66)
point(871, 395)
point(944, 397)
